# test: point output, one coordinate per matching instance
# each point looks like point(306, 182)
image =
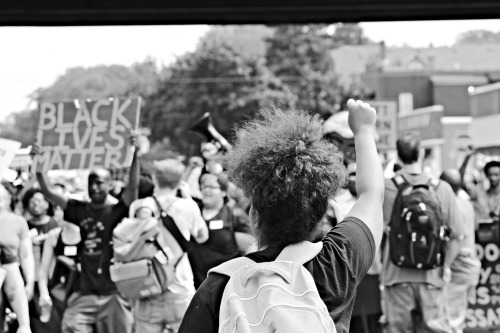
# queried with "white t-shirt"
point(187, 217)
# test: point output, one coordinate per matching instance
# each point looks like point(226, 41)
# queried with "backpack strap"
point(399, 180)
point(300, 253)
point(172, 227)
point(230, 267)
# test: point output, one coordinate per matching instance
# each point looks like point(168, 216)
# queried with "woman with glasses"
point(230, 235)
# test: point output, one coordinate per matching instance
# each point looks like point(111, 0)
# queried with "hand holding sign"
point(135, 142)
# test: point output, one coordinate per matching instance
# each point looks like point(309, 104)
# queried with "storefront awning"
point(485, 131)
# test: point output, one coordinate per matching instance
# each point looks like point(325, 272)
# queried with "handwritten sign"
point(484, 305)
point(84, 134)
point(386, 124)
point(8, 149)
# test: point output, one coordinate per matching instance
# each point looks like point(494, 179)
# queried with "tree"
point(478, 37)
point(349, 34)
point(215, 79)
point(20, 126)
point(299, 56)
point(248, 41)
point(102, 81)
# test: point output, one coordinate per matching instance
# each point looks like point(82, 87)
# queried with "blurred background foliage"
point(233, 72)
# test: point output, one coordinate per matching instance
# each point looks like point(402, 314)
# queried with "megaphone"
point(205, 127)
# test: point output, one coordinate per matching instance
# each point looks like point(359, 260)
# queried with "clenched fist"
point(361, 116)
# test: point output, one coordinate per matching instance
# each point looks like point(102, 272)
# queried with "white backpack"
point(277, 296)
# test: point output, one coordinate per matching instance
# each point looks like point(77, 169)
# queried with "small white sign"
point(216, 225)
point(8, 149)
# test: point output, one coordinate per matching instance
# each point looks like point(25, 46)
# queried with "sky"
point(33, 57)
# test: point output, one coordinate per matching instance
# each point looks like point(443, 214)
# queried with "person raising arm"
point(369, 173)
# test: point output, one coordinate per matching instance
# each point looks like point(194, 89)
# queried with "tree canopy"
point(233, 72)
point(478, 37)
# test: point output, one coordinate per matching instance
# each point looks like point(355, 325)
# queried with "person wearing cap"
point(97, 306)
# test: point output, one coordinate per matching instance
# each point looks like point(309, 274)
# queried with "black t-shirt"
point(347, 254)
point(96, 229)
point(221, 244)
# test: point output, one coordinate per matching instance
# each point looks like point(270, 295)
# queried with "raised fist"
point(361, 116)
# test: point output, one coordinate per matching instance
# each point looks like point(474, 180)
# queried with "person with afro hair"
point(288, 171)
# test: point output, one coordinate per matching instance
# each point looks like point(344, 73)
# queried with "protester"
point(492, 172)
point(288, 172)
point(413, 298)
point(97, 306)
point(466, 266)
point(58, 275)
point(486, 202)
point(14, 290)
point(156, 313)
point(39, 225)
point(14, 237)
point(229, 235)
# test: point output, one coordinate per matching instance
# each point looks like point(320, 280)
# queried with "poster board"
point(386, 125)
point(85, 134)
point(425, 123)
point(8, 149)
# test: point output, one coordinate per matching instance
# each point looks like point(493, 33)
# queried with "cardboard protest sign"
point(8, 149)
point(387, 114)
point(84, 134)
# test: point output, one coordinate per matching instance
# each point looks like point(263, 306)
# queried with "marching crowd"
point(158, 254)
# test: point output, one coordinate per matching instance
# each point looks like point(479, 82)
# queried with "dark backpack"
point(417, 234)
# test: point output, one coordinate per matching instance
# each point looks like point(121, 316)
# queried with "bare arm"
point(45, 264)
point(27, 265)
point(130, 193)
point(14, 290)
point(49, 192)
point(27, 186)
point(369, 174)
point(199, 229)
point(57, 198)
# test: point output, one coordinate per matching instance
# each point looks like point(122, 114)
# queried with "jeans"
point(414, 307)
point(97, 314)
point(456, 305)
point(154, 314)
